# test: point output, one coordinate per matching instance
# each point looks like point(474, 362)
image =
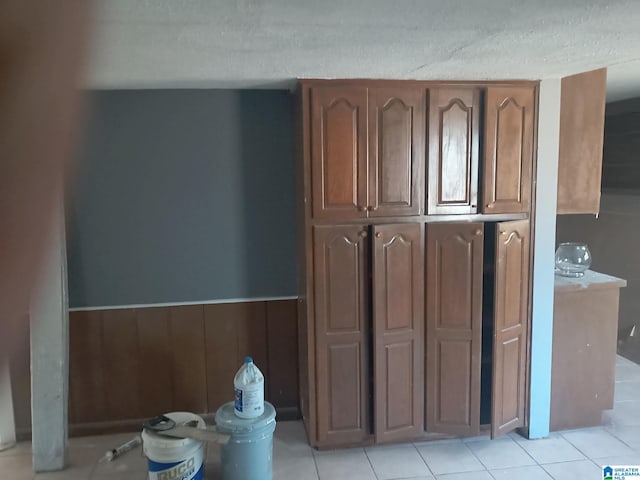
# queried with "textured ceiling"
point(268, 43)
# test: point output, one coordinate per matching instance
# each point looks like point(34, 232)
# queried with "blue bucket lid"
point(228, 422)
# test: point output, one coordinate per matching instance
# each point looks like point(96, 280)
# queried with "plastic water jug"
point(249, 391)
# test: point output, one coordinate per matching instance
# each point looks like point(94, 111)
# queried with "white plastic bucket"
point(174, 458)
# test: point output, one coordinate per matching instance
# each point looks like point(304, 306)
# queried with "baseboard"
point(23, 434)
point(285, 414)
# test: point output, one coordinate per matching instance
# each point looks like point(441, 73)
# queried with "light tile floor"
point(571, 454)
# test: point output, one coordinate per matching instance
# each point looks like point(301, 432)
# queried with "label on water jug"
point(249, 400)
point(237, 404)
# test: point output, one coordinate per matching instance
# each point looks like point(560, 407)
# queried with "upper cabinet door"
point(582, 103)
point(341, 311)
point(454, 129)
point(339, 151)
point(396, 151)
point(511, 304)
point(454, 327)
point(398, 319)
point(508, 149)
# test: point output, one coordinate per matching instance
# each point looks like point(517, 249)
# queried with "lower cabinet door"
point(341, 288)
point(511, 304)
point(398, 331)
point(454, 327)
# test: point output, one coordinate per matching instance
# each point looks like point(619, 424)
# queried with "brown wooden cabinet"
point(405, 334)
point(585, 326)
point(454, 130)
point(367, 149)
point(398, 321)
point(582, 103)
point(508, 149)
point(342, 332)
point(454, 327)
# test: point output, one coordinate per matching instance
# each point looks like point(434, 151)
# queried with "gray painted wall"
point(183, 196)
point(629, 105)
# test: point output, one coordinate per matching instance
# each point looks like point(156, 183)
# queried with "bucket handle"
point(159, 423)
point(163, 425)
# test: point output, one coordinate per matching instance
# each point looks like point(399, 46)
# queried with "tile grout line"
point(620, 440)
point(576, 447)
point(315, 463)
point(477, 457)
point(504, 468)
point(541, 466)
point(92, 471)
point(423, 460)
point(548, 472)
point(375, 474)
point(525, 451)
point(457, 473)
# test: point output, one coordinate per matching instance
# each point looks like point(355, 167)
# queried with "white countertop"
point(590, 279)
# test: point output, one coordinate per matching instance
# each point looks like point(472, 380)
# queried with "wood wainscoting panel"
point(232, 332)
point(282, 340)
point(121, 356)
point(188, 353)
point(252, 340)
point(87, 389)
point(127, 365)
point(220, 329)
point(154, 341)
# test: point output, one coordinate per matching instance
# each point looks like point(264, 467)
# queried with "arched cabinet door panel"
point(454, 327)
point(508, 149)
point(454, 130)
point(398, 331)
point(339, 152)
point(396, 151)
point(342, 330)
point(511, 318)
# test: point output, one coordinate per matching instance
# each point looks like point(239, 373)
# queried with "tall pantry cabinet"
point(414, 200)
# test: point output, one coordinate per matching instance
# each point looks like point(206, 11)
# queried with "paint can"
point(249, 453)
point(174, 458)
